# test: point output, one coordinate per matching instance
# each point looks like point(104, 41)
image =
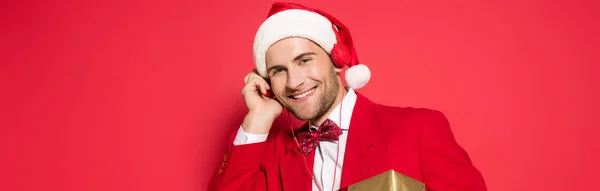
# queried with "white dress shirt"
point(326, 152)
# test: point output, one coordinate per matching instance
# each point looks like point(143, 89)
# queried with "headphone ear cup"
point(340, 55)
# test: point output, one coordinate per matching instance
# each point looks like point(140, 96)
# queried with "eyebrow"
point(303, 55)
point(300, 56)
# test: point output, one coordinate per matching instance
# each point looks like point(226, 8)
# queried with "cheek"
point(315, 72)
point(277, 86)
point(319, 72)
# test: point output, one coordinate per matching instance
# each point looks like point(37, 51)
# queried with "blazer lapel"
point(292, 165)
point(361, 136)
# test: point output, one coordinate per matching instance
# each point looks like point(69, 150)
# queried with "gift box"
point(389, 181)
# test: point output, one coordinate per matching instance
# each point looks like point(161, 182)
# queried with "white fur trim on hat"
point(357, 76)
point(291, 23)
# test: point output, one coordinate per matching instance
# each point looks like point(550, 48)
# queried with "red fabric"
point(415, 142)
point(308, 140)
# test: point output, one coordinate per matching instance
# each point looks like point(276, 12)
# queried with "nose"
point(295, 80)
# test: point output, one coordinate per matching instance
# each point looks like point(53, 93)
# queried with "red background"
point(113, 95)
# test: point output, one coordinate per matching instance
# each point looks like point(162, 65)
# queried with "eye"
point(305, 60)
point(276, 71)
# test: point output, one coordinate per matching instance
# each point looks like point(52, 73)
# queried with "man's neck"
point(338, 100)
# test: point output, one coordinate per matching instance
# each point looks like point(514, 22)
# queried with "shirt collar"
point(347, 108)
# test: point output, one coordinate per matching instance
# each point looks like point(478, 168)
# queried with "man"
point(299, 54)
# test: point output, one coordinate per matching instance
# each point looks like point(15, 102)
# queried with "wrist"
point(257, 123)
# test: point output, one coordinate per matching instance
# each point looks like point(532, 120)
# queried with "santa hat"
point(293, 20)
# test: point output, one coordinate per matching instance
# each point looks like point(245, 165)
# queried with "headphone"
point(340, 53)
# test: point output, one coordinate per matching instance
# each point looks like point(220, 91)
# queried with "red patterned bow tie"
point(328, 131)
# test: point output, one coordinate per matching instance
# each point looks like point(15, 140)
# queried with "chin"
point(306, 117)
point(303, 114)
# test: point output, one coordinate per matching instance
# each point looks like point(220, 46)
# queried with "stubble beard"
point(326, 100)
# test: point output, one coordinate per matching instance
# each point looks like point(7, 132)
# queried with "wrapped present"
point(389, 181)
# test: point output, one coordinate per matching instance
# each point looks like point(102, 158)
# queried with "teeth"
point(302, 95)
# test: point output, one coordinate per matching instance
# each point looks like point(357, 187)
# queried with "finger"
point(256, 84)
point(248, 89)
point(261, 84)
point(250, 86)
point(263, 89)
point(267, 86)
point(248, 78)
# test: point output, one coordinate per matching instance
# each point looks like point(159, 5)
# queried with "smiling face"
point(303, 77)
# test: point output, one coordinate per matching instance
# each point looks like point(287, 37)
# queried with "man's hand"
point(262, 110)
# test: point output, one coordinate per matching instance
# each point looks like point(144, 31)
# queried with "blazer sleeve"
point(445, 165)
point(240, 168)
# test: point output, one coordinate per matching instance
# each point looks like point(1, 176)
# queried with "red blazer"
point(415, 142)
